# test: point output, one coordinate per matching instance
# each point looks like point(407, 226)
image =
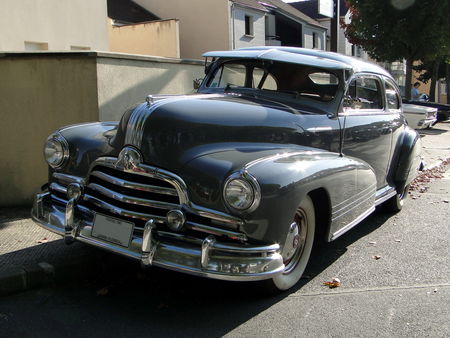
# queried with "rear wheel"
point(395, 203)
point(297, 248)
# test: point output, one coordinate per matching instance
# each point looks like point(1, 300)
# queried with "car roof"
point(304, 56)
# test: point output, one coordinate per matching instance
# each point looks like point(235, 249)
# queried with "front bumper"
point(208, 257)
point(426, 123)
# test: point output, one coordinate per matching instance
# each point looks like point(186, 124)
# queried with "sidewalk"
point(31, 256)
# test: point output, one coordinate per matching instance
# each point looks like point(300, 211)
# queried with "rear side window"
point(364, 93)
point(392, 96)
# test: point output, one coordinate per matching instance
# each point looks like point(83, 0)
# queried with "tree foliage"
point(393, 30)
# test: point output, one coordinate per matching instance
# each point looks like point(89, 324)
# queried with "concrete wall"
point(126, 79)
point(259, 31)
point(204, 24)
point(40, 92)
point(53, 25)
point(37, 95)
point(157, 38)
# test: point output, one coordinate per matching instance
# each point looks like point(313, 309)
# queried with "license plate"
point(112, 230)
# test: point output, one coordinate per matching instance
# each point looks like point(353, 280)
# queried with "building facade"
point(229, 24)
point(33, 25)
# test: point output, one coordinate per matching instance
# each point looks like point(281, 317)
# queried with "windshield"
point(298, 80)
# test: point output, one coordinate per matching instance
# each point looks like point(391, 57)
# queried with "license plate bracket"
point(113, 230)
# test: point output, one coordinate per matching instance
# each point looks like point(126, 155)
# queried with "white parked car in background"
point(419, 117)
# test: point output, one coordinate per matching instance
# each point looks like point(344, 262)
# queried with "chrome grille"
point(142, 196)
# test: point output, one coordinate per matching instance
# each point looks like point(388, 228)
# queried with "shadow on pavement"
point(124, 300)
point(432, 131)
point(14, 214)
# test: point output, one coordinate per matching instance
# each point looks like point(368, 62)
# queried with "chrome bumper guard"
point(208, 258)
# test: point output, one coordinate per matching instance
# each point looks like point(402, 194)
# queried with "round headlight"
point(241, 192)
point(56, 151)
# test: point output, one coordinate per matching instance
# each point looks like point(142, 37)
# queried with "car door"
point(367, 133)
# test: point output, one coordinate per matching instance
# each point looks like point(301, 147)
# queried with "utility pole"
point(335, 27)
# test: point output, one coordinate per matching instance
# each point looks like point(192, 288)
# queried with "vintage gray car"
point(279, 147)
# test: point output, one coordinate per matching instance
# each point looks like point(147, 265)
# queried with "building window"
point(33, 46)
point(314, 38)
point(248, 25)
point(79, 48)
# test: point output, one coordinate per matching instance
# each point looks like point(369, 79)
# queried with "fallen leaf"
point(103, 291)
point(333, 284)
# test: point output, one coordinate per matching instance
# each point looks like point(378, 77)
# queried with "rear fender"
point(407, 159)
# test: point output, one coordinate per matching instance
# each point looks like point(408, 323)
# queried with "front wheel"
point(297, 248)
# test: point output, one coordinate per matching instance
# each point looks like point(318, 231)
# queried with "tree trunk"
point(447, 81)
point(434, 78)
point(408, 80)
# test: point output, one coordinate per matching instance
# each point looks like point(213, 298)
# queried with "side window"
point(364, 93)
point(229, 75)
point(392, 97)
point(265, 82)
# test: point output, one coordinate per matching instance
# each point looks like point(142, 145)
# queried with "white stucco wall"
point(61, 24)
point(238, 22)
point(204, 24)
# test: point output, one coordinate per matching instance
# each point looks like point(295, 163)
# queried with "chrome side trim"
point(130, 199)
point(384, 194)
point(356, 196)
point(352, 224)
point(133, 185)
point(370, 195)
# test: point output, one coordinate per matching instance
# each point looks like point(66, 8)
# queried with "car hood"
point(174, 131)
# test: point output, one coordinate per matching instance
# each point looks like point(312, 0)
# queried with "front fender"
point(285, 177)
point(349, 185)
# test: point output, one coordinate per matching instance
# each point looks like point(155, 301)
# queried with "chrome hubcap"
point(295, 241)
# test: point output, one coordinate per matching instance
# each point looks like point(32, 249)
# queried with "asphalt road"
point(404, 293)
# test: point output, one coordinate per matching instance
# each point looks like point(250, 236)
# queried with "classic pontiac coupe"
point(279, 147)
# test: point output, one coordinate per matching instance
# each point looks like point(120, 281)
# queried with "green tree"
point(393, 30)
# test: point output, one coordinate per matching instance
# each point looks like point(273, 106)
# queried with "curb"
point(31, 276)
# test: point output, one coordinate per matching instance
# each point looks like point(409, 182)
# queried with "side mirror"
point(196, 83)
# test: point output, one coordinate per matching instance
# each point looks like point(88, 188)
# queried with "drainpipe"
point(233, 44)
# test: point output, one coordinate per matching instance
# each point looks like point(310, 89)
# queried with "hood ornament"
point(129, 159)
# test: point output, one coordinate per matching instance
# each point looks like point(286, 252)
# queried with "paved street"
point(403, 293)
